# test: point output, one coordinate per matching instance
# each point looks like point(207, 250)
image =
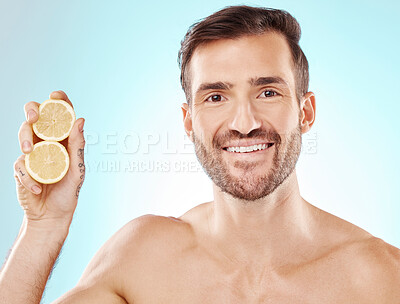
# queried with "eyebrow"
point(255, 82)
point(214, 86)
point(260, 81)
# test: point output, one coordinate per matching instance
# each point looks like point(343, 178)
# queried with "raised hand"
point(50, 205)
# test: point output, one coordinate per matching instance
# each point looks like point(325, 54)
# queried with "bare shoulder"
point(380, 259)
point(151, 229)
point(115, 272)
point(352, 240)
point(367, 264)
point(374, 266)
point(151, 248)
point(146, 234)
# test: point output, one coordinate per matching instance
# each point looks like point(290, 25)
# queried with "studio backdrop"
point(117, 61)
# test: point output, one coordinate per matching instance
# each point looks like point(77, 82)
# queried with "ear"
point(187, 120)
point(307, 112)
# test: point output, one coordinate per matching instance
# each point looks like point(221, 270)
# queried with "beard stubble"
point(250, 187)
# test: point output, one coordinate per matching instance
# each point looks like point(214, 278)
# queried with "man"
point(246, 82)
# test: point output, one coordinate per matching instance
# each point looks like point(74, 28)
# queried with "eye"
point(215, 98)
point(268, 93)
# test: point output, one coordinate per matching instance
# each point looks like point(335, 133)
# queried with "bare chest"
point(195, 281)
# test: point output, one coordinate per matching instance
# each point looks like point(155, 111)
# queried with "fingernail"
point(81, 126)
point(31, 113)
point(26, 146)
point(36, 189)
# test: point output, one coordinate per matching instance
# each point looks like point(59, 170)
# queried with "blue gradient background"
point(117, 62)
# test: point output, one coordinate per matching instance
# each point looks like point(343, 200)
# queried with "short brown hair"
point(234, 22)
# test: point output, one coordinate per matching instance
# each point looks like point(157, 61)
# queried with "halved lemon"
point(56, 118)
point(48, 162)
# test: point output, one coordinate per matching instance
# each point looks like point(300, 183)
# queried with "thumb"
point(76, 145)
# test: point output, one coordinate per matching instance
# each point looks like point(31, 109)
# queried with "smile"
point(248, 149)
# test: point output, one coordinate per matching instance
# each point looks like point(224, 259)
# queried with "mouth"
point(248, 149)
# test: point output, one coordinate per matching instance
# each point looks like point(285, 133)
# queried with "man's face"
point(245, 119)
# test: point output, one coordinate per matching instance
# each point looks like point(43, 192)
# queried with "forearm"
point(25, 274)
point(23, 227)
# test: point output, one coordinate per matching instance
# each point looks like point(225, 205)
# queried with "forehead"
point(238, 60)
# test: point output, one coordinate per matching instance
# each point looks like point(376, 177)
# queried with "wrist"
point(47, 229)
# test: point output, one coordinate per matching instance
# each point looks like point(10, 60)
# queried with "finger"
point(24, 178)
point(25, 137)
point(76, 145)
point(60, 95)
point(17, 181)
point(31, 111)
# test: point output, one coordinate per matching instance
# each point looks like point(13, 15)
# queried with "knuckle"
point(17, 181)
point(19, 165)
point(32, 105)
point(28, 106)
point(21, 158)
point(16, 165)
point(24, 126)
point(24, 133)
point(20, 132)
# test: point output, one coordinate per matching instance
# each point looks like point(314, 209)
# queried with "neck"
point(267, 230)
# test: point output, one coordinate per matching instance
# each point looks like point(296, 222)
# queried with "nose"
point(244, 118)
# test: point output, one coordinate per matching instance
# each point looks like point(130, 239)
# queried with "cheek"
point(282, 118)
point(210, 114)
point(203, 129)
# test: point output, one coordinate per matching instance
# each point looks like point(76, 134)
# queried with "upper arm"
point(95, 294)
point(102, 280)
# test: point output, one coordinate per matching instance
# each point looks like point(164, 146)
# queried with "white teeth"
point(247, 149)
